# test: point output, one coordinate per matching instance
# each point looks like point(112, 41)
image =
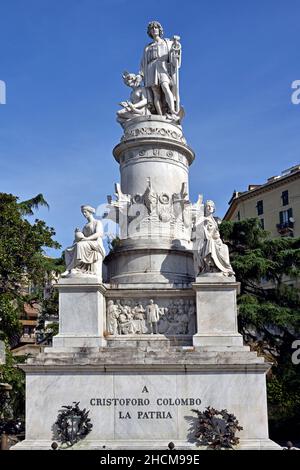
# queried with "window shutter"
point(281, 217)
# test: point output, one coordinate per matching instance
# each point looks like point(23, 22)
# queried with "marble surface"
point(149, 265)
point(82, 318)
point(216, 380)
point(216, 311)
point(86, 254)
point(155, 89)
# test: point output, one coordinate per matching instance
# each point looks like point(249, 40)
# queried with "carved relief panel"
point(147, 316)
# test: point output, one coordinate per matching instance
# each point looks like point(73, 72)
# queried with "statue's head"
point(155, 27)
point(131, 79)
point(209, 207)
point(87, 210)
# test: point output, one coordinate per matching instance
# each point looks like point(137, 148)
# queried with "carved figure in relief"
point(152, 313)
point(139, 319)
point(182, 318)
point(150, 198)
point(163, 324)
point(112, 318)
point(126, 326)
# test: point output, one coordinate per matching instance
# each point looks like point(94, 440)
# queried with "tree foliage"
point(22, 257)
point(30, 205)
point(23, 264)
point(269, 310)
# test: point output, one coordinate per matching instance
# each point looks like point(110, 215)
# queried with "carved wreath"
point(73, 424)
point(216, 429)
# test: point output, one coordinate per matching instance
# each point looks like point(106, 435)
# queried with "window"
point(285, 218)
point(285, 198)
point(260, 207)
point(238, 216)
point(286, 225)
point(262, 223)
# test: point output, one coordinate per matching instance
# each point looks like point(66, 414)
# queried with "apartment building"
point(276, 203)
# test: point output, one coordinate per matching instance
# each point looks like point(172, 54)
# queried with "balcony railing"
point(286, 228)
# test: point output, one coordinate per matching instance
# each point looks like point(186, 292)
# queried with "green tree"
point(23, 263)
point(269, 311)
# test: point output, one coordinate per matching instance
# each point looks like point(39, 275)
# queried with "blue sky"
point(62, 61)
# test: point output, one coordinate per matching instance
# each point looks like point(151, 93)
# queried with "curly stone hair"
point(153, 24)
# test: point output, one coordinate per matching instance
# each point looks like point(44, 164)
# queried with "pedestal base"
point(235, 340)
point(61, 341)
point(154, 341)
point(81, 312)
point(216, 311)
point(244, 444)
point(143, 398)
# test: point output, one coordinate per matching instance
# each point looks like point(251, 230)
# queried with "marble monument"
point(153, 335)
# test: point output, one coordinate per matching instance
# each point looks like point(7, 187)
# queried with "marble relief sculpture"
point(172, 210)
point(211, 255)
point(152, 312)
point(87, 252)
point(126, 317)
point(112, 318)
point(191, 317)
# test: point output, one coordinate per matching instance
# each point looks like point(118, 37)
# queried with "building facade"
point(275, 203)
point(34, 334)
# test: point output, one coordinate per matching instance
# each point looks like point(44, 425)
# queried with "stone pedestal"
point(216, 312)
point(81, 313)
point(143, 398)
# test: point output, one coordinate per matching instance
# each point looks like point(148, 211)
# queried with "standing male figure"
point(159, 68)
point(152, 313)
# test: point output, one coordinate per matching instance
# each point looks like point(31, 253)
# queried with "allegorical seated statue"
point(86, 254)
point(211, 254)
point(138, 103)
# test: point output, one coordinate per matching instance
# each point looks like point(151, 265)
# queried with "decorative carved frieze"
point(130, 156)
point(167, 214)
point(153, 132)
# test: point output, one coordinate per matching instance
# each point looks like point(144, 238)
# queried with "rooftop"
point(273, 179)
